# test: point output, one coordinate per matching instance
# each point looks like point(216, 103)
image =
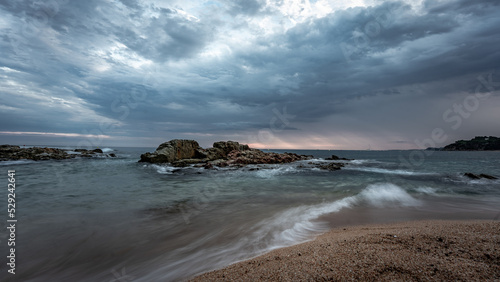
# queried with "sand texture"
point(410, 251)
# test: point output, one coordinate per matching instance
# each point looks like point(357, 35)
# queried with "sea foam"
point(388, 171)
point(299, 224)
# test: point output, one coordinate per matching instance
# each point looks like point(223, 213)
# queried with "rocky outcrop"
point(174, 150)
point(331, 166)
point(254, 156)
point(479, 176)
point(229, 146)
point(182, 153)
point(10, 152)
point(335, 158)
point(480, 143)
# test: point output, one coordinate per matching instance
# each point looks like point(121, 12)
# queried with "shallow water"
point(110, 219)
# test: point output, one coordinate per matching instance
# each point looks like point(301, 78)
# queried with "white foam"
point(17, 162)
point(107, 150)
point(314, 160)
point(387, 194)
point(426, 190)
point(460, 178)
point(163, 169)
point(388, 171)
point(271, 172)
point(286, 228)
point(358, 162)
point(298, 224)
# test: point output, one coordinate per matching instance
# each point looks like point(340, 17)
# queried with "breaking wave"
point(298, 224)
point(388, 171)
point(286, 228)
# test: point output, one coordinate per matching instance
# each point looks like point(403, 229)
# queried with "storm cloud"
point(275, 74)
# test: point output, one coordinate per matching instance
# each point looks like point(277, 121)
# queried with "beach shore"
point(409, 251)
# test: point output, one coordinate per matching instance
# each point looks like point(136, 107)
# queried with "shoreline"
point(413, 250)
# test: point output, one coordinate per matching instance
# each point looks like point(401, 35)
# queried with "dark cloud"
point(245, 7)
point(207, 70)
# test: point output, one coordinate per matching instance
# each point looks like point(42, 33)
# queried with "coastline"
point(414, 250)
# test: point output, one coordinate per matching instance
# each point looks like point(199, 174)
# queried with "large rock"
point(228, 146)
point(174, 150)
point(224, 153)
point(211, 154)
point(10, 152)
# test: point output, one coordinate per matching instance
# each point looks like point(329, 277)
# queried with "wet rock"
point(472, 175)
point(97, 151)
point(336, 158)
point(182, 153)
point(172, 151)
point(482, 175)
point(332, 166)
point(228, 146)
point(9, 152)
point(211, 153)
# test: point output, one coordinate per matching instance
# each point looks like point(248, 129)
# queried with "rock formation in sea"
point(181, 153)
point(336, 158)
point(11, 152)
point(479, 143)
point(479, 176)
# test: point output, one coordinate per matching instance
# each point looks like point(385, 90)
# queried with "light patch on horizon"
point(55, 134)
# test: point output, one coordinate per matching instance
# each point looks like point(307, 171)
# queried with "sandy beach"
point(409, 251)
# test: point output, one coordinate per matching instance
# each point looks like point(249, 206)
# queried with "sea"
point(115, 219)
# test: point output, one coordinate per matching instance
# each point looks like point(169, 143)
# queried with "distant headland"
point(478, 143)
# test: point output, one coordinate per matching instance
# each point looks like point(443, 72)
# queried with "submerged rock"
point(482, 175)
point(335, 158)
point(476, 176)
point(332, 166)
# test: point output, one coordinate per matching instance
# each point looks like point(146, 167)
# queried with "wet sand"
point(409, 251)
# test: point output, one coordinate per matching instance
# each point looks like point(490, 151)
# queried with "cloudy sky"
point(318, 74)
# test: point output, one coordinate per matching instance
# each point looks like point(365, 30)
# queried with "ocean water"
point(114, 219)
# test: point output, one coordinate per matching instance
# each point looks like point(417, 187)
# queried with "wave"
point(271, 172)
point(107, 150)
point(298, 224)
point(388, 171)
point(426, 190)
point(286, 228)
point(358, 162)
point(163, 169)
point(461, 178)
point(17, 162)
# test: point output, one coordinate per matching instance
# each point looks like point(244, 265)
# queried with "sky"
point(290, 74)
